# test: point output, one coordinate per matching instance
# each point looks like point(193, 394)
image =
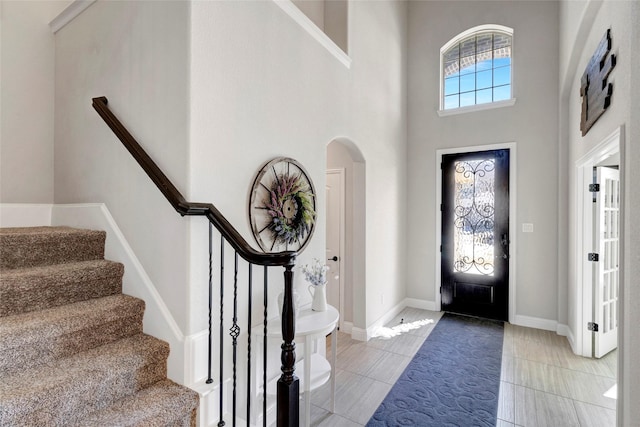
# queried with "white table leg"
point(334, 349)
point(307, 381)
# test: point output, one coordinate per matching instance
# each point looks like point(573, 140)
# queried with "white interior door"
point(334, 238)
point(607, 236)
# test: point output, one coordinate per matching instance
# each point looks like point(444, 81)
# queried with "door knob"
point(335, 258)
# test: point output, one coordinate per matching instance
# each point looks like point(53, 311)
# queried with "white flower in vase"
point(316, 274)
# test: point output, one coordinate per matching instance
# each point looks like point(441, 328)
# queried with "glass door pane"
point(474, 209)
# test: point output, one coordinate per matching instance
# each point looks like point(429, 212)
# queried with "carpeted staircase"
point(72, 350)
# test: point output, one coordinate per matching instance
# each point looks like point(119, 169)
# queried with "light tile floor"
point(542, 384)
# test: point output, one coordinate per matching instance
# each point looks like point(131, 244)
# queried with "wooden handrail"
point(288, 384)
point(178, 202)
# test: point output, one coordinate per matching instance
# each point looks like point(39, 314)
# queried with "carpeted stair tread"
point(68, 390)
point(37, 337)
point(34, 246)
point(72, 350)
point(42, 287)
point(163, 404)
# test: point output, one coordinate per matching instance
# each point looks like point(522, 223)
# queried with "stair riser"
point(163, 404)
point(30, 292)
point(30, 250)
point(68, 403)
point(188, 420)
point(35, 353)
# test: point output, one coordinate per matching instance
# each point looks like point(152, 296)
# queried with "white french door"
point(607, 236)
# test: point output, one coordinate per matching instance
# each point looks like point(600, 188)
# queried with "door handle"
point(505, 244)
point(335, 258)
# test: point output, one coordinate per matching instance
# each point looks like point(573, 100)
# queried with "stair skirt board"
point(85, 360)
point(158, 320)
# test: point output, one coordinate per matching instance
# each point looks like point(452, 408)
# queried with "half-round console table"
point(310, 326)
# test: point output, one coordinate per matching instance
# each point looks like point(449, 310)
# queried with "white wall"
point(26, 100)
point(378, 125)
point(262, 87)
point(531, 123)
point(136, 54)
point(629, 380)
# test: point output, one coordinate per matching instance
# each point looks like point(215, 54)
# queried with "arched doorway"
point(345, 228)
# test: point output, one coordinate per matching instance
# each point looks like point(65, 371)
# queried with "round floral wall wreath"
point(282, 209)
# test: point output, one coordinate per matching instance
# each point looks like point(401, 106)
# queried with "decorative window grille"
point(476, 67)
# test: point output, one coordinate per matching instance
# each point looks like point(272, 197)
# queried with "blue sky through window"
point(477, 70)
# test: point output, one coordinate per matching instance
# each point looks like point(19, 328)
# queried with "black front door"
point(475, 234)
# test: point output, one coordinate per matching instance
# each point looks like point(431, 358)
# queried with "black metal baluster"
point(264, 353)
point(221, 422)
point(209, 379)
point(234, 331)
point(249, 345)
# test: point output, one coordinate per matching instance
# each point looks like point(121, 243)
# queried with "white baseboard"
point(365, 335)
point(25, 215)
point(347, 327)
point(359, 334)
point(421, 304)
point(386, 318)
point(565, 331)
point(520, 320)
point(547, 325)
point(535, 322)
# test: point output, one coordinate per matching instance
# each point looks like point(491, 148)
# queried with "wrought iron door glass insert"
point(474, 217)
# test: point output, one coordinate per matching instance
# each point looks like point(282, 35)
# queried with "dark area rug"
point(453, 380)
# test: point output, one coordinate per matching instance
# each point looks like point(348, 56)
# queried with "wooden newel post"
point(288, 384)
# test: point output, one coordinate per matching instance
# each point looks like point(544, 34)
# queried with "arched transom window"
point(476, 67)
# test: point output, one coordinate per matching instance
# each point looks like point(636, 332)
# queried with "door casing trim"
point(511, 146)
point(583, 216)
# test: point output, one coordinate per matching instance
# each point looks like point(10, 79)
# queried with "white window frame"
point(489, 28)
